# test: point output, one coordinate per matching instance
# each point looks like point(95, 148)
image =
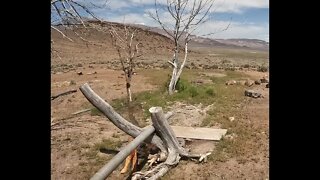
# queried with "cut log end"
point(155, 109)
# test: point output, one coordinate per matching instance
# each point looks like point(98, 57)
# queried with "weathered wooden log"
point(116, 118)
point(166, 133)
point(106, 170)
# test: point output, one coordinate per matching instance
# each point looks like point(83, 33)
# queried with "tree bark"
point(173, 80)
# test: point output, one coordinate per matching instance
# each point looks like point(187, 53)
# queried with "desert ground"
point(78, 142)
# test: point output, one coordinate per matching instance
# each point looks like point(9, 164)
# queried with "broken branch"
point(62, 94)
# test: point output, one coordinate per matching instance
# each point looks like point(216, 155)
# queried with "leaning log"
point(116, 118)
point(106, 170)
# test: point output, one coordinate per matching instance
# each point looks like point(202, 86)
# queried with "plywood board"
point(199, 133)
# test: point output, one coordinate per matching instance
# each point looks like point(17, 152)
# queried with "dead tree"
point(164, 138)
point(127, 48)
point(187, 16)
point(67, 14)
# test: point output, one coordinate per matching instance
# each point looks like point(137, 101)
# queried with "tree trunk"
point(173, 81)
point(128, 86)
point(177, 70)
point(175, 64)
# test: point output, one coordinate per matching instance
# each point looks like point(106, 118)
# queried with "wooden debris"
point(199, 133)
point(64, 93)
point(81, 111)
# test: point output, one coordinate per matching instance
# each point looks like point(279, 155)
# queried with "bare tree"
point(68, 13)
point(127, 48)
point(187, 16)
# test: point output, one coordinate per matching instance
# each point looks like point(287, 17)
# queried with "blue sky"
point(247, 18)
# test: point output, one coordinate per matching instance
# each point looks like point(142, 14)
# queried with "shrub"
point(263, 69)
point(193, 91)
point(210, 92)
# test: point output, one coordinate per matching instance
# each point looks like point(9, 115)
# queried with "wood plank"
point(199, 133)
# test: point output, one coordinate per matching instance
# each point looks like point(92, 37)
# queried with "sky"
point(242, 18)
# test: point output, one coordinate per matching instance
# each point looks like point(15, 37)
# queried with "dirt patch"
point(188, 115)
point(213, 74)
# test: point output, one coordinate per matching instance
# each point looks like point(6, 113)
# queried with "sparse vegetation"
point(73, 82)
point(263, 69)
point(95, 112)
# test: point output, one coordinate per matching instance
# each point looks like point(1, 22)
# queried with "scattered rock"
point(249, 82)
point(231, 119)
point(231, 82)
point(80, 73)
point(92, 73)
point(251, 93)
point(257, 82)
point(265, 80)
point(231, 136)
point(267, 85)
point(241, 82)
point(79, 65)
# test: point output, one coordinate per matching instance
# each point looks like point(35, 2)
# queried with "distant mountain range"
point(197, 41)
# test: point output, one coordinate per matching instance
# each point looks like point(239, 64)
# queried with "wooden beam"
point(199, 133)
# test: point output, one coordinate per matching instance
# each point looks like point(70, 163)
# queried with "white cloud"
point(132, 18)
point(238, 6)
point(230, 6)
point(148, 2)
point(236, 30)
point(250, 30)
point(112, 4)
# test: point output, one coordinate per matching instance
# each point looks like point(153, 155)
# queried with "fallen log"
point(116, 118)
point(64, 93)
point(106, 170)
